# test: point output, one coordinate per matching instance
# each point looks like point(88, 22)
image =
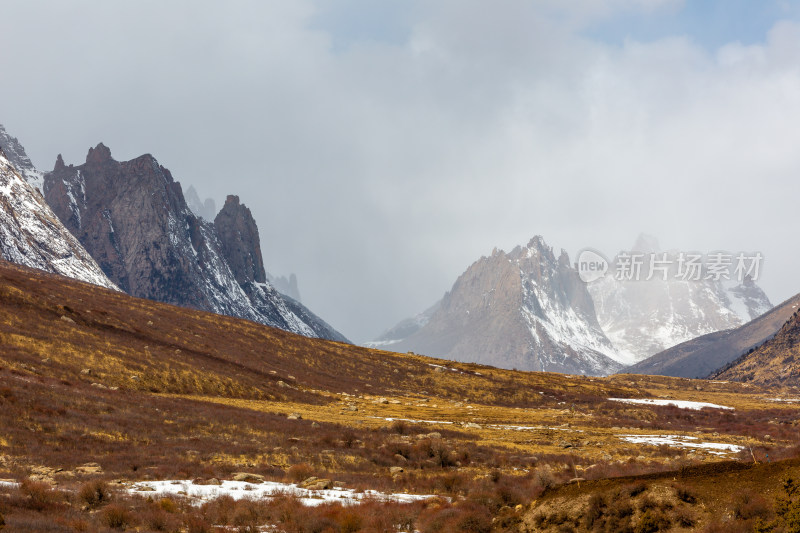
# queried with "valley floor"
point(104, 397)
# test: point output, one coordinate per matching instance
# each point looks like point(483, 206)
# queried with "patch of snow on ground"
point(239, 490)
point(531, 428)
point(679, 441)
point(683, 404)
point(413, 421)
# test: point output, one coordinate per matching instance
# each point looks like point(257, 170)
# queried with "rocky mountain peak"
point(133, 219)
point(524, 309)
point(15, 153)
point(538, 244)
point(241, 245)
point(643, 317)
point(59, 164)
point(99, 154)
point(31, 235)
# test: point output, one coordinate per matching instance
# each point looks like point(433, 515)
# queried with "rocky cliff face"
point(32, 235)
point(132, 217)
point(526, 309)
point(642, 318)
point(15, 153)
point(241, 246)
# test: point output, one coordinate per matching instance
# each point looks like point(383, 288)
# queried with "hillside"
point(704, 355)
point(773, 363)
point(97, 386)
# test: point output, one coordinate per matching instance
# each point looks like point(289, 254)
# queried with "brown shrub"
point(595, 510)
point(748, 505)
point(38, 496)
point(116, 516)
point(160, 520)
point(94, 493)
point(196, 523)
point(300, 471)
point(465, 518)
point(220, 510)
point(652, 521)
point(685, 518)
point(168, 505)
point(685, 494)
point(350, 521)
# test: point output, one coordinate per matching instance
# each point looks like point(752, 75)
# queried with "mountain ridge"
point(133, 218)
point(32, 235)
point(643, 317)
point(525, 309)
point(704, 355)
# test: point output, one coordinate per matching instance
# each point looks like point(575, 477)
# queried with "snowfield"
point(679, 441)
point(239, 490)
point(683, 404)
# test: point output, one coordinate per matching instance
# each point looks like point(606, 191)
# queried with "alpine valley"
point(152, 378)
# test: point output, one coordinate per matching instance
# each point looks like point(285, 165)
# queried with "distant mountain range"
point(529, 310)
point(525, 309)
point(776, 362)
point(643, 317)
point(701, 356)
point(127, 225)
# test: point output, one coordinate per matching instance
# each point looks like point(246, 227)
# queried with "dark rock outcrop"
point(238, 234)
point(133, 219)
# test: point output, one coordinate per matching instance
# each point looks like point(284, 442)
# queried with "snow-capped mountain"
point(526, 309)
point(643, 317)
point(16, 155)
point(32, 235)
point(133, 218)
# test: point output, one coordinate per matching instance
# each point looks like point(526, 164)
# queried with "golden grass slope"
point(152, 391)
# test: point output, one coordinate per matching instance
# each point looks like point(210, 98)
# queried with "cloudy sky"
point(385, 145)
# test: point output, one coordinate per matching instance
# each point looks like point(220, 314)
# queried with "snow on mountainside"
point(644, 317)
point(31, 234)
point(133, 219)
point(525, 309)
point(15, 153)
